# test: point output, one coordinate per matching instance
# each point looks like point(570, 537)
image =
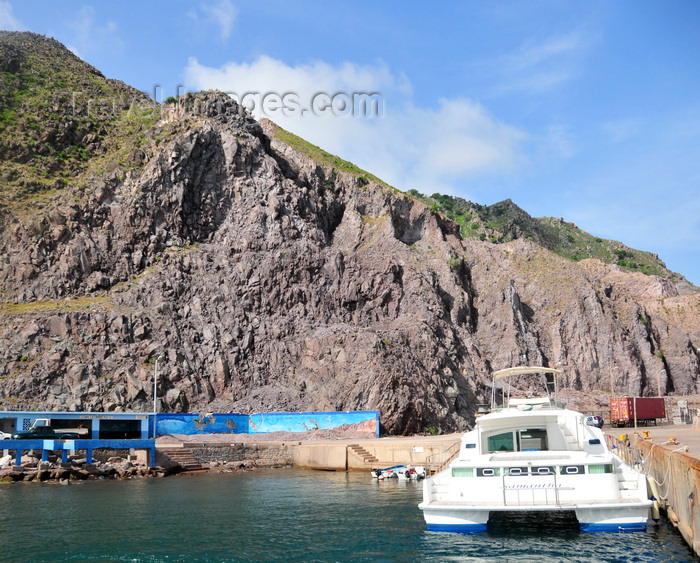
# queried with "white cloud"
point(8, 22)
point(410, 147)
point(531, 55)
point(539, 67)
point(266, 74)
point(89, 36)
point(221, 15)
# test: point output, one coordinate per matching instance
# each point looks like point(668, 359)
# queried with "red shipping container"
point(648, 410)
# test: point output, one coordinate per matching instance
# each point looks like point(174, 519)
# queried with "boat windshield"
point(525, 440)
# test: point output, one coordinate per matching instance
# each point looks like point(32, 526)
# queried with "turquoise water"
point(278, 515)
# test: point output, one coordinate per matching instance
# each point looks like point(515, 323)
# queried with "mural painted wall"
point(210, 423)
point(260, 423)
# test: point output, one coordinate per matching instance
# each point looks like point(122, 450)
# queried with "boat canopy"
point(530, 401)
point(525, 370)
point(522, 370)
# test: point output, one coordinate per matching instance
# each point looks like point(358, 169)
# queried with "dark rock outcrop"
point(254, 277)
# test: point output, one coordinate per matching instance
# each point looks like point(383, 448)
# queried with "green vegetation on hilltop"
point(505, 221)
point(323, 157)
point(56, 114)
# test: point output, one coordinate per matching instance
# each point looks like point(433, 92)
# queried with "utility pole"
point(155, 394)
point(612, 381)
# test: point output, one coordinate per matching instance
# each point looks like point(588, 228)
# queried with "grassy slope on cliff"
point(505, 221)
point(56, 114)
point(60, 117)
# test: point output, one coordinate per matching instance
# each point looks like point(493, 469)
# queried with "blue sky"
point(589, 111)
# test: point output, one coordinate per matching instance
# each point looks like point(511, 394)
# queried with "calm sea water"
point(278, 515)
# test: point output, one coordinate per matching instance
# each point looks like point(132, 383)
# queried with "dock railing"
point(437, 462)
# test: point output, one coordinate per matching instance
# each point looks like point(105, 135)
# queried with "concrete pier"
point(670, 455)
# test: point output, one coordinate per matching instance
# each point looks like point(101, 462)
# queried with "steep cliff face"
point(254, 277)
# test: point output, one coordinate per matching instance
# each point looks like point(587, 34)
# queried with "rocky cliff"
point(251, 272)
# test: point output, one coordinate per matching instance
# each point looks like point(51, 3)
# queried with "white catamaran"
point(532, 454)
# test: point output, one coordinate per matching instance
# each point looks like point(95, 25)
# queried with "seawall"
point(330, 455)
point(670, 456)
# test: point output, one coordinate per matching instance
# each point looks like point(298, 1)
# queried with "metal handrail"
point(435, 463)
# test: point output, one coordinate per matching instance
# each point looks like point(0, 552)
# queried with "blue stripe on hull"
point(592, 527)
point(622, 527)
point(461, 528)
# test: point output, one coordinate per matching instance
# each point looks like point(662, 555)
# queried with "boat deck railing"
point(437, 462)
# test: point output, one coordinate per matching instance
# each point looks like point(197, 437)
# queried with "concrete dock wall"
point(674, 473)
point(393, 452)
point(340, 455)
point(677, 478)
point(268, 454)
point(321, 456)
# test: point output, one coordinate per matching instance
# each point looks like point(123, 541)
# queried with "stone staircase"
point(182, 456)
point(363, 454)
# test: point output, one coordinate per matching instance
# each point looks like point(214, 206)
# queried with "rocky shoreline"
point(115, 467)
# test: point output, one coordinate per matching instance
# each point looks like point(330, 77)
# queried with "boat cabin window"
point(501, 442)
point(516, 471)
point(598, 469)
point(572, 470)
point(533, 440)
point(530, 439)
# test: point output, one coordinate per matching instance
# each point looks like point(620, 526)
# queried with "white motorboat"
point(388, 472)
point(399, 472)
point(532, 455)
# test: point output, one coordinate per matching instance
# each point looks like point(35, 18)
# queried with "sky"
point(588, 111)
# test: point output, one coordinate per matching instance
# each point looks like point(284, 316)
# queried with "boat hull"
point(455, 520)
point(471, 520)
point(618, 519)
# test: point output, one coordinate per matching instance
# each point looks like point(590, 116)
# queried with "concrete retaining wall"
point(676, 476)
point(321, 456)
point(328, 455)
point(268, 454)
point(678, 481)
point(394, 452)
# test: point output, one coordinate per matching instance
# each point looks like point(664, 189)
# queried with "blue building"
point(140, 426)
point(89, 425)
